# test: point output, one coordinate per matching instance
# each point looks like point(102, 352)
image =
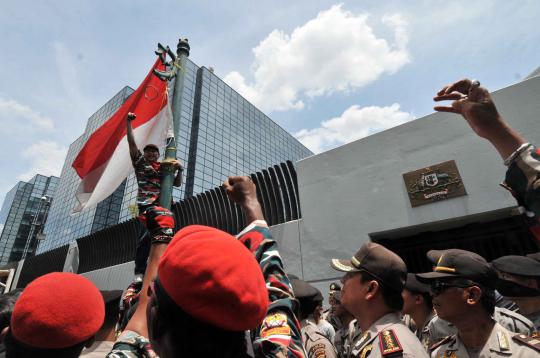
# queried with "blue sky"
point(328, 72)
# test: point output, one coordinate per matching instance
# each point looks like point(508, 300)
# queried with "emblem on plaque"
point(437, 182)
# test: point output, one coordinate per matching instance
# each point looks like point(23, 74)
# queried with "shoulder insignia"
point(504, 342)
point(317, 351)
point(275, 324)
point(531, 341)
point(440, 343)
point(389, 343)
point(367, 349)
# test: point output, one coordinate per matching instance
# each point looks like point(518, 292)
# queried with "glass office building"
point(22, 215)
point(220, 134)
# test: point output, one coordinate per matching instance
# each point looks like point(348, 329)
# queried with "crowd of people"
point(206, 293)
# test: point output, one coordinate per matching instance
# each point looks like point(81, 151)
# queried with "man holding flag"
point(158, 220)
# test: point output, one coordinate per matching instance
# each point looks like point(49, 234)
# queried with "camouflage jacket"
point(148, 180)
point(279, 334)
point(523, 181)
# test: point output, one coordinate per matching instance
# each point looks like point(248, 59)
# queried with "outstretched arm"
point(133, 149)
point(475, 104)
point(279, 333)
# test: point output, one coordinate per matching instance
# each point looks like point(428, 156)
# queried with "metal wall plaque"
point(437, 182)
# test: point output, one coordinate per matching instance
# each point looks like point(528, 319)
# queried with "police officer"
point(317, 345)
point(462, 285)
point(519, 278)
point(342, 341)
point(372, 286)
point(418, 306)
point(509, 319)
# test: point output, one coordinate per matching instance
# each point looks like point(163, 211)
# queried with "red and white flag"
point(104, 161)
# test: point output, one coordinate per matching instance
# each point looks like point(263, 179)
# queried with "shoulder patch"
point(440, 343)
point(317, 351)
point(275, 324)
point(532, 341)
point(389, 343)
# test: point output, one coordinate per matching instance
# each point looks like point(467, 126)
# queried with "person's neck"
point(420, 316)
point(474, 329)
point(373, 314)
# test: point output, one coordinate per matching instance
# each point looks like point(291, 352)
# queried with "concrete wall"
point(356, 190)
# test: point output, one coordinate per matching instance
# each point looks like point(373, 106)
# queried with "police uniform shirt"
point(388, 337)
point(316, 343)
point(513, 321)
point(499, 344)
point(343, 339)
point(535, 319)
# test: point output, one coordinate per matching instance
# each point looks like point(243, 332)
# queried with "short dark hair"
point(7, 302)
point(308, 306)
point(193, 337)
point(15, 349)
point(392, 297)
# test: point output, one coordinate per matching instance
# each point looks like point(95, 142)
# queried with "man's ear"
point(3, 334)
point(473, 295)
point(372, 289)
point(418, 299)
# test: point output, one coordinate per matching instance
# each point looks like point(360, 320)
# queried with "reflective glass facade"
point(220, 134)
point(62, 226)
point(22, 215)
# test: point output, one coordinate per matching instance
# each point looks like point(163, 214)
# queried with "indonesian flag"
point(104, 161)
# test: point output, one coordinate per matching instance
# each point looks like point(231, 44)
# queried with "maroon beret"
point(213, 277)
point(57, 310)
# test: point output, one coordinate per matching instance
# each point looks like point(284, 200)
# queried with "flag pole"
point(178, 71)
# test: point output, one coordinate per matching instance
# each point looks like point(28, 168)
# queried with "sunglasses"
point(439, 287)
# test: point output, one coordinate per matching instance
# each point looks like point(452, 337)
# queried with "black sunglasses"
point(439, 287)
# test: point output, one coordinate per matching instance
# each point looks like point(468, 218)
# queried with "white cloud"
point(336, 51)
point(13, 113)
point(45, 157)
point(355, 123)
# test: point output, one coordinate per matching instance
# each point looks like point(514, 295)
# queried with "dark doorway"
point(491, 239)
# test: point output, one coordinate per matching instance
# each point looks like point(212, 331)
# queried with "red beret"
point(213, 277)
point(57, 310)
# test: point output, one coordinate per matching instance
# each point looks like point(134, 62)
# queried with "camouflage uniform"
point(279, 334)
point(500, 344)
point(523, 182)
point(158, 220)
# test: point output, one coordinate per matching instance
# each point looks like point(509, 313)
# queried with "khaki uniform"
point(535, 319)
point(513, 321)
point(316, 343)
point(343, 340)
point(499, 344)
point(437, 329)
point(388, 336)
point(433, 331)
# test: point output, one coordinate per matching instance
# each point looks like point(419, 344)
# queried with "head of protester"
point(151, 152)
point(208, 291)
point(56, 316)
point(372, 285)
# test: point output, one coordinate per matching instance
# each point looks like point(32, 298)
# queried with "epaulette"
point(389, 343)
point(532, 341)
point(441, 342)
